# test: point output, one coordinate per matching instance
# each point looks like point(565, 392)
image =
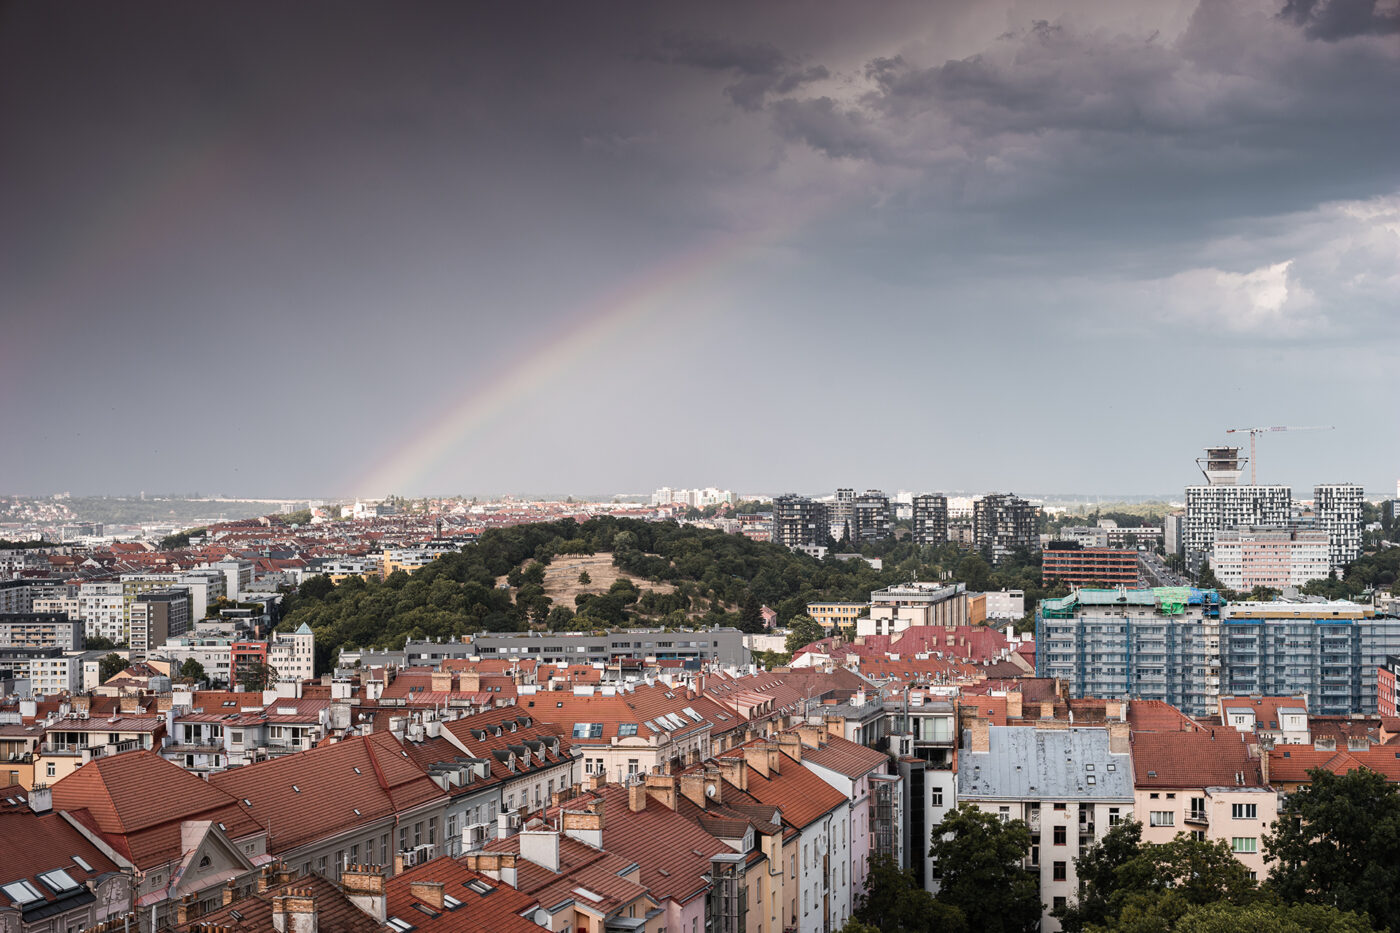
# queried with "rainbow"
point(597, 322)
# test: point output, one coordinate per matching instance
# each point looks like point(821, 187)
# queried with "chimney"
point(469, 682)
point(812, 736)
point(596, 781)
point(693, 787)
point(1264, 765)
point(584, 824)
point(757, 758)
point(1119, 740)
point(735, 771)
point(429, 892)
point(40, 798)
point(980, 730)
point(791, 744)
point(442, 682)
point(775, 757)
point(663, 788)
point(636, 796)
point(540, 846)
point(364, 887)
point(187, 909)
point(230, 892)
point(1013, 704)
point(295, 912)
point(1047, 709)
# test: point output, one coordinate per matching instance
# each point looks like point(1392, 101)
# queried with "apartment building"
point(870, 516)
point(1069, 785)
point(1068, 562)
point(41, 630)
point(1001, 523)
point(1337, 512)
point(103, 610)
point(1203, 782)
point(155, 617)
point(798, 520)
point(49, 671)
point(717, 646)
point(1386, 675)
point(293, 655)
point(1244, 558)
point(836, 615)
point(1185, 647)
point(930, 519)
point(896, 608)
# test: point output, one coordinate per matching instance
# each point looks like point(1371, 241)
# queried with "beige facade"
point(1240, 816)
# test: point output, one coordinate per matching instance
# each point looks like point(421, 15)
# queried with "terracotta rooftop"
point(316, 793)
point(1193, 759)
point(117, 797)
point(253, 914)
point(801, 796)
point(34, 844)
point(471, 902)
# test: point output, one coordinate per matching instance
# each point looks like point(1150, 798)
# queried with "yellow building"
point(841, 615)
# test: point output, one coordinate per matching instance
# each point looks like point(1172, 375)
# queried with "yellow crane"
point(1255, 432)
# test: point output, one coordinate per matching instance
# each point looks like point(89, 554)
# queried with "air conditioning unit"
point(425, 852)
point(410, 857)
point(475, 836)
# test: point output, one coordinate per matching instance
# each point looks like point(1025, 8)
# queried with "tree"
point(110, 666)
point(192, 670)
point(584, 579)
point(1271, 918)
point(894, 902)
point(980, 858)
point(1206, 579)
point(802, 631)
point(1126, 885)
point(1337, 842)
point(750, 615)
point(257, 677)
point(99, 643)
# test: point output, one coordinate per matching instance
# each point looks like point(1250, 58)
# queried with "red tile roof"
point(117, 796)
point(312, 794)
point(847, 758)
point(334, 912)
point(1291, 763)
point(1193, 759)
point(801, 796)
point(484, 905)
point(31, 843)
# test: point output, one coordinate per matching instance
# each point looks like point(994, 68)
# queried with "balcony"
point(1197, 818)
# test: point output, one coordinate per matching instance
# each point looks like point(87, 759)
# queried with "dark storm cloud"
point(761, 68)
point(1340, 19)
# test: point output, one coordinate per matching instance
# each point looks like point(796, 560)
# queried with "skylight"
point(450, 902)
point(627, 728)
point(588, 730)
point(81, 863)
point(480, 887)
point(21, 892)
point(58, 880)
point(695, 717)
point(402, 926)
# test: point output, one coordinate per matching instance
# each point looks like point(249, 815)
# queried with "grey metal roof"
point(1044, 764)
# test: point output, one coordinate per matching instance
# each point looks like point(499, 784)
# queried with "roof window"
point(21, 892)
point(81, 863)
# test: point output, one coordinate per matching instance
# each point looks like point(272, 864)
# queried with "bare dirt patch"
point(561, 577)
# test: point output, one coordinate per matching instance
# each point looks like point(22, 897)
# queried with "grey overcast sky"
point(354, 249)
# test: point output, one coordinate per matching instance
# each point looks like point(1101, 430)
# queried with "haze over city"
point(344, 249)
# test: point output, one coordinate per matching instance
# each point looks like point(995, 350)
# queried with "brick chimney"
point(757, 757)
point(1119, 739)
point(735, 771)
point(596, 781)
point(295, 912)
point(469, 682)
point(791, 744)
point(1047, 709)
point(429, 892)
point(364, 887)
point(636, 796)
point(663, 788)
point(813, 735)
point(187, 909)
point(442, 682)
point(1013, 704)
point(980, 730)
point(230, 892)
point(693, 787)
point(584, 824)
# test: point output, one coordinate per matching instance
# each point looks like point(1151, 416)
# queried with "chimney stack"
point(295, 912)
point(364, 887)
point(429, 892)
point(636, 796)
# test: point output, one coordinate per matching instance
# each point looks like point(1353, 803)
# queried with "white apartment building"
point(1214, 508)
point(214, 654)
point(1337, 507)
point(695, 498)
point(1244, 558)
point(102, 608)
point(293, 656)
point(1069, 785)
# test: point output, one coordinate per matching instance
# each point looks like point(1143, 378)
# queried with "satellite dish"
point(709, 790)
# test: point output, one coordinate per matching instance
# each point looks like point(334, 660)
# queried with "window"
point(1199, 835)
point(1244, 811)
point(1162, 818)
point(1059, 902)
point(1244, 845)
point(1059, 835)
point(1004, 813)
point(936, 797)
point(1113, 816)
point(1059, 870)
point(51, 771)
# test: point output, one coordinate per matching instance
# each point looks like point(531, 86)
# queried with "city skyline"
point(344, 250)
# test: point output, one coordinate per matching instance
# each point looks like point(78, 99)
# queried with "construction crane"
point(1255, 432)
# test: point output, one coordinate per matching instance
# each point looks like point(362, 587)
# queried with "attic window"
point(295, 788)
point(21, 892)
point(424, 908)
point(1113, 767)
point(205, 862)
point(356, 810)
point(247, 802)
point(82, 863)
point(450, 902)
point(1089, 767)
point(480, 887)
point(58, 881)
point(1152, 774)
point(222, 829)
point(626, 729)
point(1290, 755)
point(401, 926)
point(357, 770)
